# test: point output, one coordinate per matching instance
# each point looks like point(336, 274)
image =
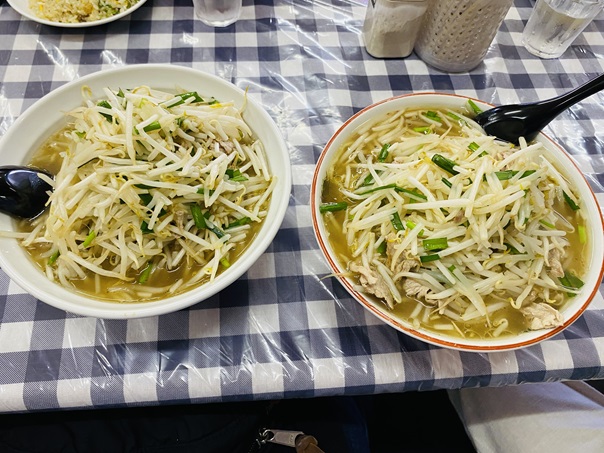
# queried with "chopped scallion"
point(570, 201)
point(333, 207)
point(433, 116)
point(105, 105)
point(571, 281)
point(238, 222)
point(428, 258)
point(383, 152)
point(444, 163)
point(146, 273)
point(52, 259)
point(185, 96)
point(547, 224)
point(582, 234)
point(235, 175)
point(145, 228)
point(474, 107)
point(435, 244)
point(91, 236)
point(152, 126)
point(198, 217)
point(396, 222)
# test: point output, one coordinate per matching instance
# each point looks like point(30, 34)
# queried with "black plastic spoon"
point(510, 122)
point(22, 192)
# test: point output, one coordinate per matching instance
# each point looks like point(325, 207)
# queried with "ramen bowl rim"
point(26, 274)
point(377, 308)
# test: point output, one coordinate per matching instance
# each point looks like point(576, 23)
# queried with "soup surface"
point(154, 193)
point(455, 231)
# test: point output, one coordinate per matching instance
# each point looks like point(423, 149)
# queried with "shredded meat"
point(555, 265)
point(227, 146)
point(373, 283)
point(416, 290)
point(541, 316)
point(179, 218)
point(459, 217)
point(403, 264)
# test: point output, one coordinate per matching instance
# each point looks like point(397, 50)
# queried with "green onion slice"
point(383, 152)
point(198, 218)
point(445, 164)
point(333, 207)
point(152, 126)
point(435, 244)
point(396, 222)
point(571, 281)
point(107, 105)
point(474, 107)
point(473, 146)
point(582, 234)
point(238, 222)
point(185, 96)
point(144, 276)
point(235, 175)
point(91, 236)
point(570, 201)
point(428, 258)
point(52, 259)
point(433, 116)
point(145, 228)
point(547, 224)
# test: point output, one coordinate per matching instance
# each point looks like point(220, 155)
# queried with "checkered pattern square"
point(285, 329)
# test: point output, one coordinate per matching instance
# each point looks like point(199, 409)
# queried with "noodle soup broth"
point(452, 231)
point(183, 223)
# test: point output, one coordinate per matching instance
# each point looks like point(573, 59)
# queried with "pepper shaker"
point(391, 27)
point(456, 34)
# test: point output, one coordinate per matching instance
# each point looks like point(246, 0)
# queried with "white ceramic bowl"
point(38, 122)
point(563, 162)
point(23, 8)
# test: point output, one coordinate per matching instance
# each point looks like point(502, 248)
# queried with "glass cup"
point(555, 24)
point(217, 13)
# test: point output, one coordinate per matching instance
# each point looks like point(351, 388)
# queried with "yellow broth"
point(112, 289)
point(575, 261)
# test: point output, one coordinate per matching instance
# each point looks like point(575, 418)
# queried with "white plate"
point(47, 114)
point(22, 7)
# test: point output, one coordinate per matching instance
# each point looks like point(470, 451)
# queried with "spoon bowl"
point(510, 122)
point(23, 193)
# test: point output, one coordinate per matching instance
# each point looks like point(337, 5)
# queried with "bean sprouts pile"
point(472, 236)
point(151, 182)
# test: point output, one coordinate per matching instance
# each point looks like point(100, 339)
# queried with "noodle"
point(150, 190)
point(426, 210)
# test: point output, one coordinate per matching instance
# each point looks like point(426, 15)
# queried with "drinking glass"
point(555, 24)
point(217, 13)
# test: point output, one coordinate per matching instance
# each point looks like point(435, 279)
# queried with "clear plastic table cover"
point(283, 330)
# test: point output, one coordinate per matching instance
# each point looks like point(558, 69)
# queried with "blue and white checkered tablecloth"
point(282, 330)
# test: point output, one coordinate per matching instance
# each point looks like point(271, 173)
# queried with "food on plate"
point(455, 231)
point(76, 11)
point(154, 193)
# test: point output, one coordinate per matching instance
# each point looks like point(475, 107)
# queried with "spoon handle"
point(562, 102)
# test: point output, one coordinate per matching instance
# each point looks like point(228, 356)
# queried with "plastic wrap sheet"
point(283, 330)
